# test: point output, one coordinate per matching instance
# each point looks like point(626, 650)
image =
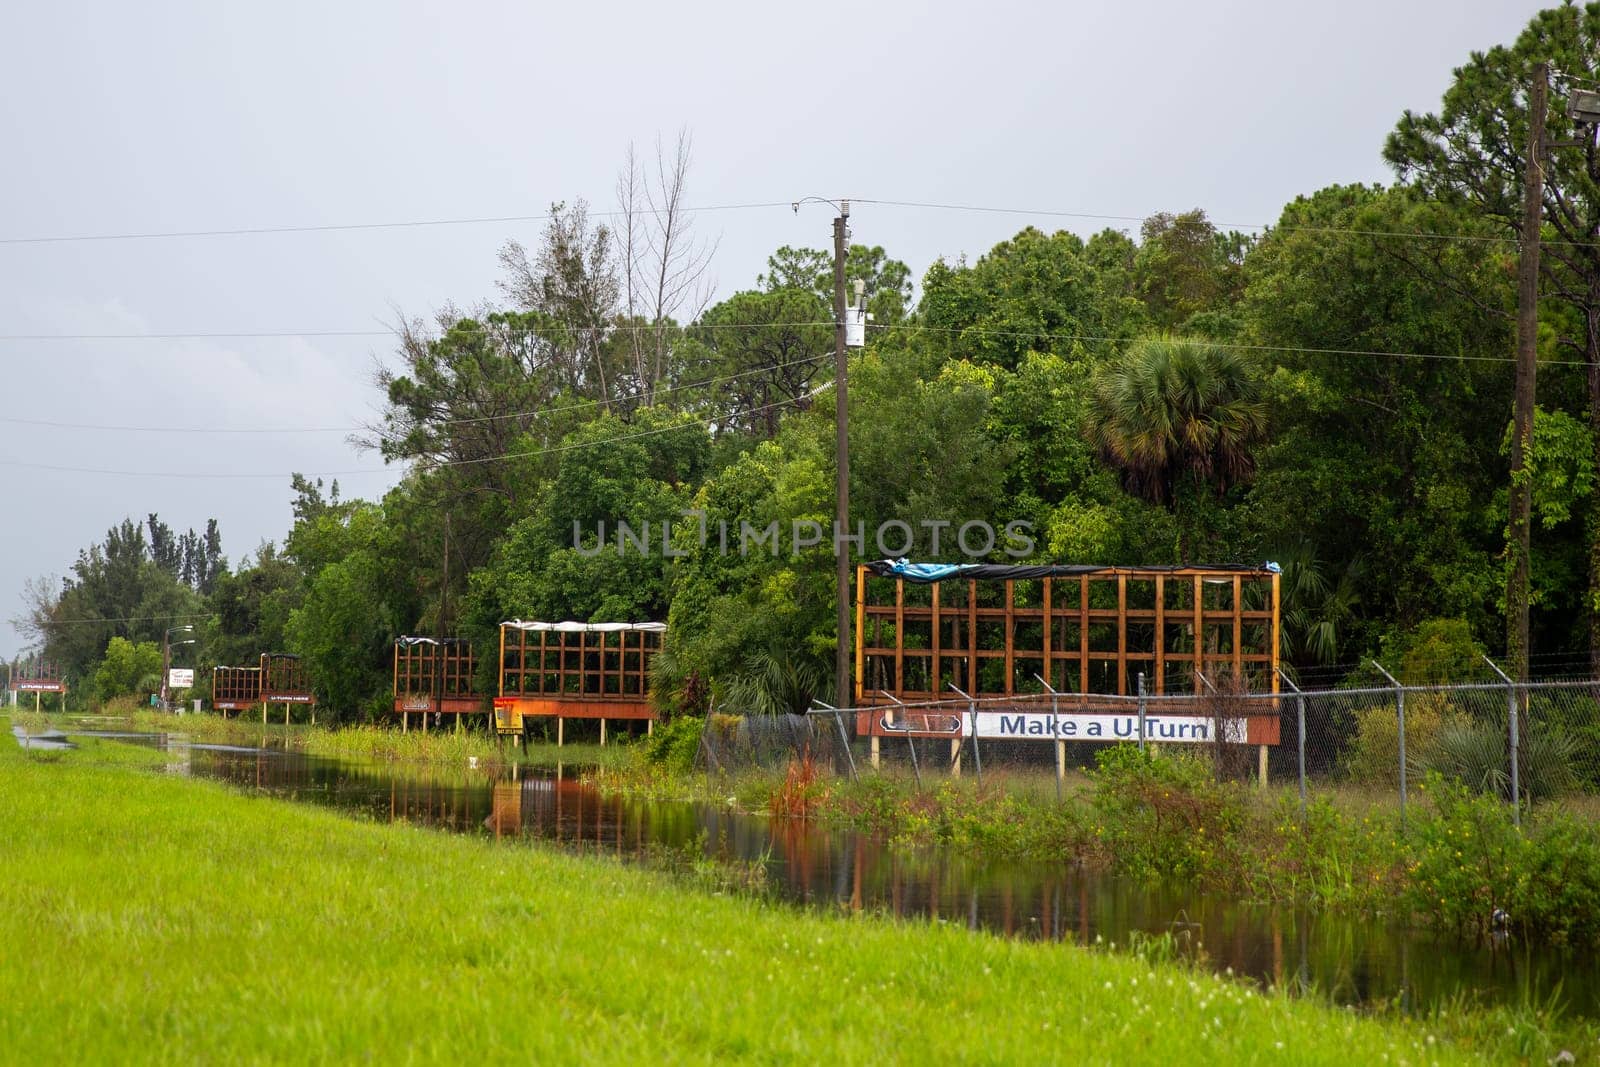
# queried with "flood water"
point(1354, 961)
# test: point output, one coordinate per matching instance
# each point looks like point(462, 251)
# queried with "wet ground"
point(1354, 961)
point(42, 741)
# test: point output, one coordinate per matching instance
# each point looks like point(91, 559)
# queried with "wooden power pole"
point(843, 695)
point(1517, 640)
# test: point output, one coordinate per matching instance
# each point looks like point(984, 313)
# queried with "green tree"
point(886, 282)
point(356, 601)
point(1181, 420)
point(1185, 267)
point(571, 290)
point(1473, 151)
point(251, 609)
point(767, 349)
point(1318, 604)
point(116, 588)
point(743, 613)
point(570, 557)
point(1031, 293)
point(128, 668)
point(1378, 462)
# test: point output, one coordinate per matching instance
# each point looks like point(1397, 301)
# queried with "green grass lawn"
point(147, 918)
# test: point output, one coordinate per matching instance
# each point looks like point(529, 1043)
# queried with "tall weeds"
point(801, 789)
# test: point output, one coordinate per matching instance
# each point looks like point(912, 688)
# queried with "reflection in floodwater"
point(1354, 961)
point(45, 741)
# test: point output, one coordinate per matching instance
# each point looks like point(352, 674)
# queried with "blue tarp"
point(938, 572)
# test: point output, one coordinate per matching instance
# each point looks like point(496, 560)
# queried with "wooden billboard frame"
point(435, 675)
point(573, 675)
point(37, 677)
point(286, 680)
point(1083, 615)
point(235, 688)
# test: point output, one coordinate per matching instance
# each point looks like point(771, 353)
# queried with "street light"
point(166, 659)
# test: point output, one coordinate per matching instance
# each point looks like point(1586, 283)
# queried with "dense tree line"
point(1333, 394)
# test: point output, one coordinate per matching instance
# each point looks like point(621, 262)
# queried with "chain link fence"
point(1537, 741)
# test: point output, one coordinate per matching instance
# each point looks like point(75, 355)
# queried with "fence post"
point(1055, 732)
point(1300, 715)
point(1516, 782)
point(844, 739)
point(1511, 711)
point(911, 742)
point(1400, 722)
point(705, 740)
point(972, 717)
point(1141, 711)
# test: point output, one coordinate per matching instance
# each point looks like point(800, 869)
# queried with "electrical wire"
point(907, 327)
point(922, 205)
point(406, 224)
point(133, 618)
point(578, 406)
point(420, 464)
point(1260, 226)
point(515, 331)
point(1288, 349)
point(977, 331)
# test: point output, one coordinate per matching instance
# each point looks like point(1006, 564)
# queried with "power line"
point(1288, 349)
point(551, 410)
point(406, 224)
point(965, 330)
point(1265, 226)
point(196, 336)
point(909, 327)
point(515, 331)
point(425, 465)
point(134, 618)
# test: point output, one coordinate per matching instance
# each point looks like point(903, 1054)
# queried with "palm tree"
point(777, 681)
point(1172, 412)
point(1317, 608)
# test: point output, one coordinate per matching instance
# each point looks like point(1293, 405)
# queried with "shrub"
point(1374, 758)
point(1465, 857)
point(1576, 717)
point(1468, 859)
point(675, 745)
point(1477, 755)
point(1438, 652)
point(1164, 816)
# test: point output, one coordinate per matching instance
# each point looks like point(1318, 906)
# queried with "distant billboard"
point(180, 678)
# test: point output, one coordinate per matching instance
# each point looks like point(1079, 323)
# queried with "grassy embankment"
point(385, 744)
point(1458, 859)
point(152, 918)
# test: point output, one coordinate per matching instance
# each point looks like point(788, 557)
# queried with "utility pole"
point(439, 628)
point(166, 659)
point(845, 695)
point(1527, 366)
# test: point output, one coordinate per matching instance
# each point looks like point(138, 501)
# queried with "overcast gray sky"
point(153, 117)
